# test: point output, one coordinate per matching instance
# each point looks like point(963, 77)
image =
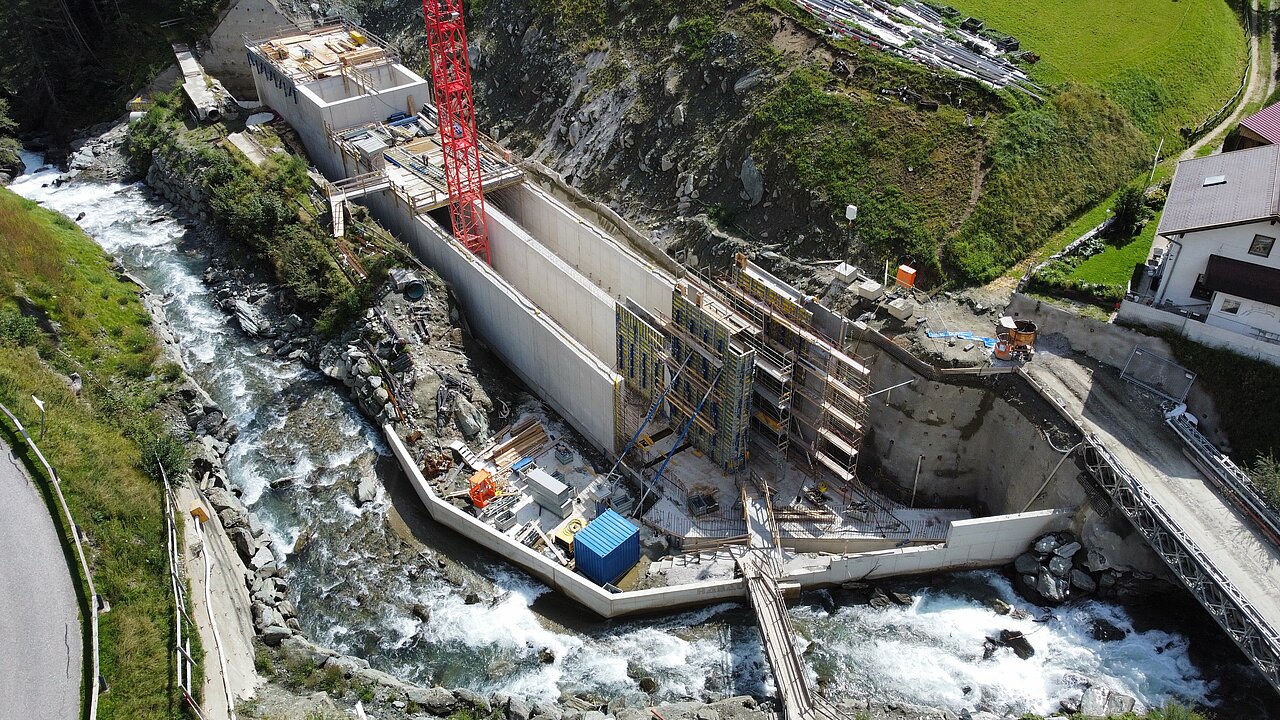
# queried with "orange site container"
point(906, 276)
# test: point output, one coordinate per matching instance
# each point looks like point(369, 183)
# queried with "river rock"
point(1026, 564)
point(422, 612)
point(517, 709)
point(251, 319)
point(1093, 703)
point(222, 499)
point(436, 700)
point(1046, 544)
point(649, 685)
point(1118, 704)
point(243, 542)
point(880, 599)
point(275, 634)
point(475, 700)
point(1105, 631)
point(1068, 550)
point(261, 558)
point(1060, 566)
point(1082, 581)
point(546, 656)
point(1051, 587)
point(1018, 642)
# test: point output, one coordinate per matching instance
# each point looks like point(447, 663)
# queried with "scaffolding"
point(810, 394)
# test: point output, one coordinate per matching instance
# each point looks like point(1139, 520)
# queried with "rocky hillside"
point(719, 126)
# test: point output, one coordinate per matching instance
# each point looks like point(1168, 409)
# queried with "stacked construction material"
point(549, 492)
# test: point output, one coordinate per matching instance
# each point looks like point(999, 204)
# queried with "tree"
point(1130, 213)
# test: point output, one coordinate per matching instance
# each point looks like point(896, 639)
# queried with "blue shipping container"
point(607, 547)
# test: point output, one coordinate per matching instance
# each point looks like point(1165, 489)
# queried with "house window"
point(1199, 291)
point(1261, 245)
point(1230, 306)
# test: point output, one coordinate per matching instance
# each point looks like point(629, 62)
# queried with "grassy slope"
point(54, 265)
point(1194, 50)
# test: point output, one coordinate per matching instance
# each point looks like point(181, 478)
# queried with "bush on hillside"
point(1130, 214)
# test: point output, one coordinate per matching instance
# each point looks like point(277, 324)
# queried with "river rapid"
point(365, 587)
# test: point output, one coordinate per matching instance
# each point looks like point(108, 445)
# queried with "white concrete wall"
point(617, 270)
point(304, 116)
point(562, 292)
point(224, 56)
point(573, 585)
point(1202, 333)
point(562, 371)
point(984, 542)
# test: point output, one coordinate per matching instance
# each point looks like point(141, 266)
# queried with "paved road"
point(1131, 428)
point(40, 643)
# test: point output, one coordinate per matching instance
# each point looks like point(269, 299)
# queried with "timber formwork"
point(1229, 608)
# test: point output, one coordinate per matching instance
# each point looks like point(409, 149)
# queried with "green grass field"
point(95, 441)
point(1176, 62)
point(1114, 266)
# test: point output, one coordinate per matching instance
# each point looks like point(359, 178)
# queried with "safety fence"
point(182, 620)
point(91, 602)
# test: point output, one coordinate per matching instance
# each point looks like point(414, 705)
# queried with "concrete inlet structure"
point(711, 396)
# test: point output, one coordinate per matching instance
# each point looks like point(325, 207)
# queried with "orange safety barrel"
point(906, 276)
point(482, 490)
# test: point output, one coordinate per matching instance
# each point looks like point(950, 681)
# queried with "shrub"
point(18, 329)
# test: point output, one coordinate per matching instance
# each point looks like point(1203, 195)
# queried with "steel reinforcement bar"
point(1232, 611)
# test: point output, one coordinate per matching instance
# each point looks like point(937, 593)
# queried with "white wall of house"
point(1189, 255)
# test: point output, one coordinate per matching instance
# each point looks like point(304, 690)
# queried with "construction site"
point(730, 407)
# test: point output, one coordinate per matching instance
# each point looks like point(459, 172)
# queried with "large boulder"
point(752, 180)
point(1051, 587)
point(1026, 564)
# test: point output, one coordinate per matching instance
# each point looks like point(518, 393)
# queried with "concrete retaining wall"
point(985, 542)
point(576, 587)
point(977, 446)
point(621, 272)
point(557, 368)
point(1105, 342)
point(580, 307)
point(1202, 333)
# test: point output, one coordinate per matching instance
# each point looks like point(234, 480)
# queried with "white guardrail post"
point(91, 692)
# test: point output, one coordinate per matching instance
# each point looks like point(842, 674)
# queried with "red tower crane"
point(451, 81)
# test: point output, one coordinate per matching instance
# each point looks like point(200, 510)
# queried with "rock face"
point(1099, 702)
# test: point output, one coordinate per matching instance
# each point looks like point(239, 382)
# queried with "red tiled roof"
point(1265, 122)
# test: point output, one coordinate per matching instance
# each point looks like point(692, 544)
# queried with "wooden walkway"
point(761, 566)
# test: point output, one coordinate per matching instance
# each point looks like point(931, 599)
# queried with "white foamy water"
point(303, 447)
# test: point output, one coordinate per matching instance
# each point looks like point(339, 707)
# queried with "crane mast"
point(451, 84)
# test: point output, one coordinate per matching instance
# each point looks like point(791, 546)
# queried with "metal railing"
point(182, 648)
point(1224, 602)
point(91, 688)
point(1227, 475)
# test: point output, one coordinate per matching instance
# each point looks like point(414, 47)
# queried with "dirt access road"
point(1130, 424)
point(1259, 88)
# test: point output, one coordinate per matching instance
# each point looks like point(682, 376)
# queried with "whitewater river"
point(302, 448)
